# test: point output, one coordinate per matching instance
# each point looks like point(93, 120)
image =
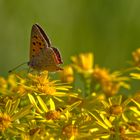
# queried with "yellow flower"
point(110, 82)
point(115, 106)
point(46, 87)
point(110, 88)
point(70, 130)
point(42, 84)
point(20, 89)
point(136, 57)
point(101, 74)
point(67, 75)
point(53, 115)
point(116, 109)
point(5, 121)
point(83, 63)
point(3, 83)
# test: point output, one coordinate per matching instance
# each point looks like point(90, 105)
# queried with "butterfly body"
point(42, 55)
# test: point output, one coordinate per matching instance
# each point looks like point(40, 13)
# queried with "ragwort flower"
point(109, 82)
point(10, 118)
point(5, 121)
point(67, 75)
point(113, 119)
point(42, 85)
point(83, 63)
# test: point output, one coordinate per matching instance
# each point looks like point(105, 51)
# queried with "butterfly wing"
point(51, 60)
point(37, 42)
point(46, 60)
point(44, 35)
point(58, 55)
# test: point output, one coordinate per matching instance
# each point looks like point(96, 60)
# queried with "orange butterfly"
point(42, 55)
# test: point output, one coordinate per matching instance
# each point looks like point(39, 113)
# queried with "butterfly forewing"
point(44, 35)
point(37, 42)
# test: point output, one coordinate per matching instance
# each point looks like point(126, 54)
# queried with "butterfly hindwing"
point(44, 35)
point(58, 55)
point(46, 60)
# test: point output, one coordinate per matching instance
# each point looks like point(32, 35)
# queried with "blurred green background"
point(110, 29)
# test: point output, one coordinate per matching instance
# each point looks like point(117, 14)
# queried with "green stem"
point(87, 85)
point(116, 135)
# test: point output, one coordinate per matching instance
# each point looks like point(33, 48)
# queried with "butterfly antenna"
point(16, 67)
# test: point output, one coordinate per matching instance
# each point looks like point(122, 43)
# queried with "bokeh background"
point(110, 29)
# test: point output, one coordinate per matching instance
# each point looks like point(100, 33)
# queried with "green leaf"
point(14, 106)
point(8, 106)
point(71, 107)
point(22, 113)
point(99, 122)
point(126, 102)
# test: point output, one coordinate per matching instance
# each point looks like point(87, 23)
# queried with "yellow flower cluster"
point(85, 103)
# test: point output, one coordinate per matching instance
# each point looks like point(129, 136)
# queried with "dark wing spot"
point(33, 50)
point(33, 56)
point(40, 48)
point(34, 43)
point(35, 36)
point(39, 43)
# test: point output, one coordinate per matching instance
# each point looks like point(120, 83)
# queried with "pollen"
point(116, 109)
point(46, 88)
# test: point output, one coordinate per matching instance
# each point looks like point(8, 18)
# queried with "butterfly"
point(42, 55)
